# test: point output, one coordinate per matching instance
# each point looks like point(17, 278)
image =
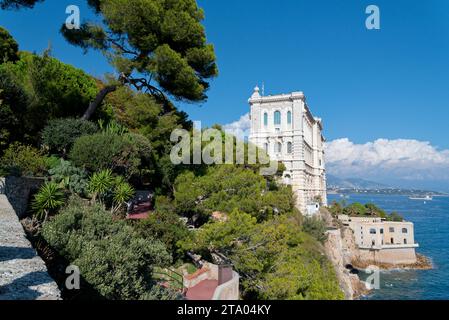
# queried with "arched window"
point(289, 147)
point(265, 119)
point(289, 117)
point(279, 147)
point(277, 118)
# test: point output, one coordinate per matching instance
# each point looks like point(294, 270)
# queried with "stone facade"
point(285, 128)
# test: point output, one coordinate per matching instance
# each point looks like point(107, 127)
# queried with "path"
point(23, 274)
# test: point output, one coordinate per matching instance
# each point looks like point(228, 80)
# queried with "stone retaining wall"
point(23, 274)
point(19, 191)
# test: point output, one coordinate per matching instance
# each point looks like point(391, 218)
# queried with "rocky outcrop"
point(23, 274)
point(339, 251)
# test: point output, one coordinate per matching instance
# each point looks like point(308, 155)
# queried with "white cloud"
point(384, 159)
point(240, 128)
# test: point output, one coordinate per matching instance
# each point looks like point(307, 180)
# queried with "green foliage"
point(394, 216)
point(161, 40)
point(110, 190)
point(146, 115)
point(124, 155)
point(101, 183)
point(164, 224)
point(276, 259)
point(23, 160)
point(49, 198)
point(60, 134)
point(112, 257)
point(367, 210)
point(36, 89)
point(226, 188)
point(336, 208)
point(69, 177)
point(113, 127)
point(8, 47)
point(315, 227)
point(355, 209)
point(122, 193)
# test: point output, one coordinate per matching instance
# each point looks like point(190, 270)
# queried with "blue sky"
point(391, 83)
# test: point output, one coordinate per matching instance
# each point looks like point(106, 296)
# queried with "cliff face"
point(339, 250)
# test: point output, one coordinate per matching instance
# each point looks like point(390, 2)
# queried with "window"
point(265, 146)
point(289, 117)
point(391, 230)
point(289, 147)
point(265, 119)
point(392, 241)
point(405, 241)
point(382, 231)
point(373, 243)
point(404, 230)
point(372, 231)
point(279, 147)
point(277, 118)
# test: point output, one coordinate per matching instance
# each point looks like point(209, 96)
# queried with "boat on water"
point(426, 198)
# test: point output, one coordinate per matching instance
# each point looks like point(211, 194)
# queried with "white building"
point(285, 128)
point(382, 241)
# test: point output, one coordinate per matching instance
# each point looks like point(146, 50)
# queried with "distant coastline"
point(387, 191)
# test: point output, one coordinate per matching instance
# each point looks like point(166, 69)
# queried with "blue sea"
point(431, 221)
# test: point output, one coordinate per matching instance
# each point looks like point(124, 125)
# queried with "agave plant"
point(49, 198)
point(123, 192)
point(100, 184)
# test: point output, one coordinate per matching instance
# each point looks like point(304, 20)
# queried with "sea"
point(431, 220)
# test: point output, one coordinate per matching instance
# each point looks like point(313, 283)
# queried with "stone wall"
point(19, 190)
point(394, 256)
point(23, 274)
point(228, 290)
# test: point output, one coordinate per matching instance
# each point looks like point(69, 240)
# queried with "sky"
point(383, 94)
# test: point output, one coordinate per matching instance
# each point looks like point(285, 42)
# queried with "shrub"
point(109, 151)
point(164, 224)
point(49, 198)
point(70, 177)
point(109, 190)
point(60, 134)
point(315, 227)
point(111, 256)
point(23, 160)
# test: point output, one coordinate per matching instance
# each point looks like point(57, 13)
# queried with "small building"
point(312, 209)
point(381, 241)
point(212, 282)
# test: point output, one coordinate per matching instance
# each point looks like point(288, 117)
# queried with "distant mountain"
point(334, 182)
